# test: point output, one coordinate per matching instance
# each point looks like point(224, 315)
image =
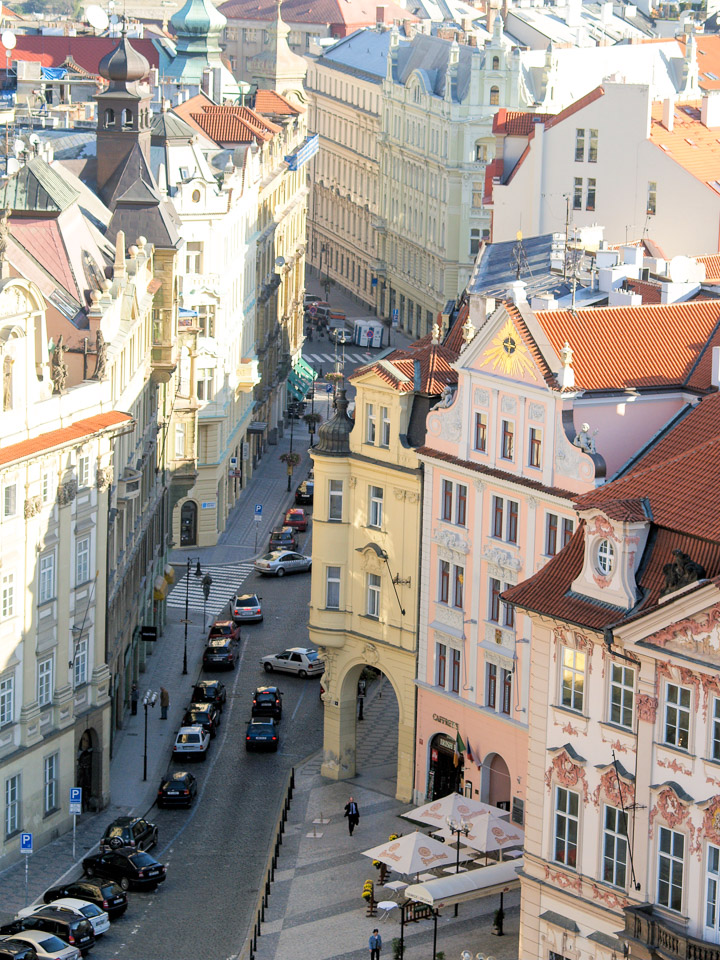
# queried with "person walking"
point(134, 697)
point(375, 944)
point(353, 815)
point(164, 703)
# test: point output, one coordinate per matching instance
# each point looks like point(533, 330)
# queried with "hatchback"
point(98, 918)
point(127, 867)
point(280, 562)
point(103, 893)
point(224, 628)
point(130, 832)
point(209, 691)
point(296, 517)
point(16, 950)
point(300, 660)
point(177, 790)
point(283, 539)
point(205, 715)
point(219, 654)
point(67, 925)
point(46, 945)
point(305, 492)
point(267, 702)
point(262, 734)
point(246, 607)
point(191, 742)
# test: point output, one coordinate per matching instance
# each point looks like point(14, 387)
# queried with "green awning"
point(297, 387)
point(303, 369)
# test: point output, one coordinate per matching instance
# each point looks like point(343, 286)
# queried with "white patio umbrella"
point(412, 853)
point(454, 806)
point(488, 834)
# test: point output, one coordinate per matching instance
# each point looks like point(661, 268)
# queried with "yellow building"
point(366, 547)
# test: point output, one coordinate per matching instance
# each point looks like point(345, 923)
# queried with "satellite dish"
point(114, 19)
point(96, 17)
point(8, 39)
point(681, 270)
point(280, 262)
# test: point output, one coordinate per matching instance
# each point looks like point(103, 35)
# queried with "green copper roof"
point(37, 187)
point(197, 17)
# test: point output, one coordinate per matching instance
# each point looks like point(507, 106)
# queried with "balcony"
point(379, 224)
point(248, 375)
point(650, 934)
point(194, 284)
point(163, 360)
point(129, 484)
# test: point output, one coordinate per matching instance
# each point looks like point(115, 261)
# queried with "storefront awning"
point(460, 887)
point(160, 586)
point(257, 426)
point(302, 369)
point(296, 392)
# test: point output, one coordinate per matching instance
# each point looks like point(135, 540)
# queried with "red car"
point(297, 518)
point(226, 629)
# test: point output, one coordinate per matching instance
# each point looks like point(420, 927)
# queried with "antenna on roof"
point(518, 254)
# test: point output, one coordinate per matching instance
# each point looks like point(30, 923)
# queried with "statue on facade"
point(99, 373)
point(585, 440)
point(681, 571)
point(4, 232)
point(58, 367)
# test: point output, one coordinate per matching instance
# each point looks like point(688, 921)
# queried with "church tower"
point(124, 116)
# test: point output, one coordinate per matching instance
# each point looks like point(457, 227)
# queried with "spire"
point(277, 67)
point(124, 65)
point(198, 27)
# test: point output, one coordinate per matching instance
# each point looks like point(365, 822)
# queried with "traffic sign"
point(396, 317)
point(75, 800)
point(312, 309)
point(26, 843)
point(258, 512)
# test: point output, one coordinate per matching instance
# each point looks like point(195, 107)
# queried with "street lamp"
point(148, 701)
point(186, 621)
point(459, 827)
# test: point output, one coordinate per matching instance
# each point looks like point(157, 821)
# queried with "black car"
point(179, 789)
point(127, 867)
point(305, 492)
point(209, 691)
point(16, 950)
point(267, 702)
point(103, 893)
point(219, 654)
point(64, 924)
point(129, 832)
point(262, 734)
point(283, 538)
point(205, 715)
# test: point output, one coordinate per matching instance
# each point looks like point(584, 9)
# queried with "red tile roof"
point(343, 15)
point(43, 240)
point(232, 124)
point(575, 107)
point(712, 267)
point(86, 51)
point(708, 59)
point(650, 292)
point(517, 123)
point(268, 101)
point(80, 430)
point(690, 143)
point(436, 371)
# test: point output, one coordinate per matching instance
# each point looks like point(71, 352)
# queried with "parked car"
point(191, 742)
point(340, 335)
point(204, 715)
point(267, 702)
point(246, 608)
point(297, 518)
point(46, 946)
point(300, 660)
point(283, 538)
point(210, 691)
point(311, 298)
point(219, 654)
point(179, 789)
point(98, 918)
point(67, 925)
point(16, 950)
point(225, 628)
point(129, 832)
point(262, 734)
point(305, 492)
point(103, 893)
point(128, 867)
point(280, 562)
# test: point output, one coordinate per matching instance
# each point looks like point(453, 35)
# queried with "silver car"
point(279, 562)
point(303, 661)
point(47, 945)
point(246, 607)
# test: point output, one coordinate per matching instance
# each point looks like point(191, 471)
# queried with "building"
point(622, 845)
point(197, 27)
point(366, 541)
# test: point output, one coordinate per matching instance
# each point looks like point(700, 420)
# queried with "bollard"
point(262, 912)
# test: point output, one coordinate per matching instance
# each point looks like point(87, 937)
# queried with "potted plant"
point(291, 460)
point(396, 949)
point(497, 928)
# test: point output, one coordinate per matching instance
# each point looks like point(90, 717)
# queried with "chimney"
point(490, 20)
point(668, 113)
point(380, 15)
point(715, 375)
point(517, 292)
point(710, 110)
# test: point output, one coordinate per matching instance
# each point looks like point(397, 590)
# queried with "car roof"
point(178, 775)
point(33, 936)
point(267, 689)
point(284, 530)
point(246, 596)
point(72, 903)
point(205, 684)
point(198, 706)
point(295, 510)
point(196, 728)
point(262, 721)
point(59, 911)
point(298, 650)
point(223, 623)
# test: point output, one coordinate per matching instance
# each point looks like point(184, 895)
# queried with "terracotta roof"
point(233, 124)
point(650, 292)
point(436, 371)
point(574, 107)
point(43, 239)
point(344, 15)
point(629, 510)
point(712, 267)
point(454, 337)
point(692, 427)
point(268, 101)
point(517, 123)
point(86, 51)
point(690, 143)
point(655, 345)
point(708, 59)
point(79, 430)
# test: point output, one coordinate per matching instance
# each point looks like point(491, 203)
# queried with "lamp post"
point(186, 621)
point(459, 827)
point(148, 701)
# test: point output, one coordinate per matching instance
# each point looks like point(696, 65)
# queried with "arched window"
point(496, 63)
point(494, 96)
point(7, 394)
point(188, 524)
point(127, 118)
point(109, 117)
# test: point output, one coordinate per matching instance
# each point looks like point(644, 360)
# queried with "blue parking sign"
point(75, 800)
point(26, 843)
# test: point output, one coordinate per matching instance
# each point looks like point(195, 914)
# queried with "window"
point(577, 193)
point(83, 471)
point(384, 427)
point(193, 257)
point(51, 784)
point(7, 701)
point(335, 500)
point(551, 532)
point(332, 588)
point(447, 494)
point(45, 487)
point(375, 513)
point(508, 611)
point(615, 847)
point(605, 557)
point(80, 661)
point(477, 194)
point(461, 511)
point(444, 592)
point(179, 441)
point(455, 671)
point(512, 521)
point(8, 596)
point(369, 423)
point(494, 96)
point(508, 440)
point(440, 664)
point(651, 199)
point(458, 581)
point(474, 241)
point(593, 146)
point(671, 861)
point(82, 561)
point(506, 706)
point(568, 528)
point(535, 447)
point(498, 512)
point(46, 578)
point(12, 805)
point(622, 691)
point(573, 678)
point(10, 500)
point(494, 601)
point(579, 145)
point(677, 715)
point(590, 194)
point(481, 432)
point(45, 682)
point(505, 515)
point(566, 827)
point(481, 153)
point(715, 747)
point(490, 685)
point(206, 384)
point(373, 595)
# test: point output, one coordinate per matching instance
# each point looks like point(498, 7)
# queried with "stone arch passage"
point(496, 785)
point(88, 773)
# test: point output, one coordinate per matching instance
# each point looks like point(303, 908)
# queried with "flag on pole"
point(459, 748)
point(470, 756)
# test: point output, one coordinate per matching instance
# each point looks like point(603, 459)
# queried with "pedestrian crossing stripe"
point(328, 358)
point(227, 578)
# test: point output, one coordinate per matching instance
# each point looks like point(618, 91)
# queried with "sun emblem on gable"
point(508, 353)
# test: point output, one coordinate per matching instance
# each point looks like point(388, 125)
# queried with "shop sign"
point(448, 723)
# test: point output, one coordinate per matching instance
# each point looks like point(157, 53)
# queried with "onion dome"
point(124, 64)
point(334, 434)
point(197, 18)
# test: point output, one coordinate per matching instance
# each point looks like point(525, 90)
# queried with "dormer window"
point(109, 117)
point(605, 557)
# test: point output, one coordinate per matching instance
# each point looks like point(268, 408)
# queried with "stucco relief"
point(609, 790)
point(536, 412)
point(412, 497)
point(563, 880)
point(400, 494)
point(673, 672)
point(451, 539)
point(508, 404)
point(452, 423)
point(67, 492)
point(698, 635)
point(570, 729)
point(504, 662)
point(571, 638)
point(502, 559)
point(646, 707)
point(13, 302)
point(104, 478)
point(479, 485)
point(675, 766)
point(669, 808)
point(600, 527)
point(618, 746)
point(502, 639)
point(610, 899)
point(352, 481)
point(33, 506)
point(370, 654)
point(481, 398)
point(570, 461)
point(434, 427)
point(370, 562)
point(710, 829)
point(446, 615)
point(565, 771)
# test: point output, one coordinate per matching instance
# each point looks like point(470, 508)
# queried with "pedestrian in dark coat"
point(353, 815)
point(375, 943)
point(164, 703)
point(134, 697)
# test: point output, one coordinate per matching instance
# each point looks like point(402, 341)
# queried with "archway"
point(444, 775)
point(188, 524)
point(88, 773)
point(496, 785)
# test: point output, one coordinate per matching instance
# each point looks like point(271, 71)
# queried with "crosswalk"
point(327, 360)
point(226, 577)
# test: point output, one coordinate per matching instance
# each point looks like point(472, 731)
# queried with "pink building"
point(547, 406)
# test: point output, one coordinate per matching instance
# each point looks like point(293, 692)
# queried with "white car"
point(279, 562)
point(98, 918)
point(300, 660)
point(47, 945)
point(191, 742)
